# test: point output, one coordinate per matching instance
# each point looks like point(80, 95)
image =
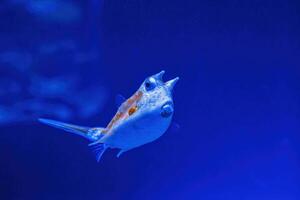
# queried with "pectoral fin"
point(174, 127)
point(121, 152)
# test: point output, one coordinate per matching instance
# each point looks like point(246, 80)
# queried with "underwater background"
point(236, 104)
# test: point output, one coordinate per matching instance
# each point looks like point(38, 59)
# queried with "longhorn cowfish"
point(141, 119)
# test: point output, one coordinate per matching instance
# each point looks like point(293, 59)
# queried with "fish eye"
point(150, 84)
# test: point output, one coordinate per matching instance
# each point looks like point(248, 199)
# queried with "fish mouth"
point(167, 110)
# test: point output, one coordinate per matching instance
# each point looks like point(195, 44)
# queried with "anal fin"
point(98, 149)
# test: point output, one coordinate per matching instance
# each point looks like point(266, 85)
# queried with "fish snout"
point(167, 109)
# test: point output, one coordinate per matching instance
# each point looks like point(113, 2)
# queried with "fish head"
point(148, 113)
point(157, 97)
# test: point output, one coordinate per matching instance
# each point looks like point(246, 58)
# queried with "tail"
point(92, 134)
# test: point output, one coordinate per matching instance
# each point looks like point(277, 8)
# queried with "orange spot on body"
point(132, 110)
point(126, 108)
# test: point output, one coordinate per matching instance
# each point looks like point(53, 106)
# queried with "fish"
point(141, 119)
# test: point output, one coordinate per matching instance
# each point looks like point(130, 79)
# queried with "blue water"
point(236, 104)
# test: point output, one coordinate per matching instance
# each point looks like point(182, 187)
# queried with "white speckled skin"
point(146, 124)
point(141, 119)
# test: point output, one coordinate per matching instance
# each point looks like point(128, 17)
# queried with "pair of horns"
point(169, 84)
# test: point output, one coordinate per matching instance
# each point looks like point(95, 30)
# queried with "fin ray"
point(121, 152)
point(98, 149)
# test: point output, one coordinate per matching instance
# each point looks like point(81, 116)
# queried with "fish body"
point(141, 119)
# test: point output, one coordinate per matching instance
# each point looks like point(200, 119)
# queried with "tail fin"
point(92, 134)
